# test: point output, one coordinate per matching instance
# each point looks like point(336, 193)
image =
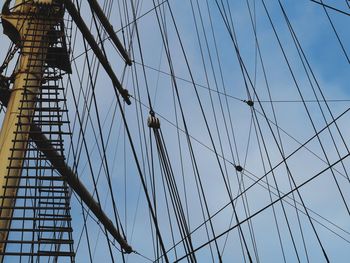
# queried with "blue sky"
point(331, 70)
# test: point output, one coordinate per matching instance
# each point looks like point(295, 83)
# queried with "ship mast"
point(27, 25)
point(30, 26)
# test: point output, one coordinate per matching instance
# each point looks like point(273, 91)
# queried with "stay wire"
point(302, 55)
point(259, 55)
point(198, 181)
point(140, 120)
point(76, 163)
point(276, 166)
point(173, 193)
point(141, 175)
point(320, 107)
point(201, 49)
point(81, 121)
point(335, 32)
point(90, 163)
point(265, 174)
point(301, 146)
point(103, 146)
point(240, 182)
point(245, 75)
point(270, 192)
point(125, 26)
point(244, 197)
point(279, 138)
point(237, 98)
point(331, 7)
point(298, 142)
point(264, 144)
point(306, 108)
point(228, 109)
point(240, 59)
point(209, 133)
point(176, 195)
point(269, 205)
point(90, 74)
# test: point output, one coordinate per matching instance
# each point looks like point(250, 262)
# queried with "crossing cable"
point(140, 118)
point(165, 161)
point(264, 144)
point(201, 49)
point(135, 32)
point(82, 134)
point(234, 97)
point(301, 145)
point(224, 93)
point(269, 190)
point(145, 149)
point(268, 187)
point(259, 179)
point(123, 27)
point(332, 137)
point(253, 22)
point(279, 138)
point(335, 32)
point(100, 54)
point(84, 144)
point(103, 145)
point(140, 172)
point(277, 165)
point(347, 3)
point(259, 54)
point(193, 159)
point(240, 59)
point(305, 106)
point(331, 7)
point(295, 38)
point(209, 132)
point(102, 158)
point(198, 181)
point(290, 155)
point(71, 149)
point(269, 205)
point(141, 176)
point(88, 212)
point(231, 30)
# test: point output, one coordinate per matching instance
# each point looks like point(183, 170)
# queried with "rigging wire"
point(335, 32)
point(269, 205)
point(121, 29)
point(87, 97)
point(331, 7)
point(275, 167)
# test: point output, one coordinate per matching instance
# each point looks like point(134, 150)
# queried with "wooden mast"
point(27, 25)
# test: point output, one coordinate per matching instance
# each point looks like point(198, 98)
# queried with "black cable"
point(269, 205)
point(331, 7)
point(275, 167)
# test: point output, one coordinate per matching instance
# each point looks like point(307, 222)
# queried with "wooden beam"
point(74, 13)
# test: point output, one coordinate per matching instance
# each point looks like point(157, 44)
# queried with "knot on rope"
point(239, 168)
point(249, 102)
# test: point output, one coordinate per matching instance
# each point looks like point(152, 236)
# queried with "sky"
point(330, 68)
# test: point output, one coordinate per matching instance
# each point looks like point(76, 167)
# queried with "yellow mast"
point(28, 22)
